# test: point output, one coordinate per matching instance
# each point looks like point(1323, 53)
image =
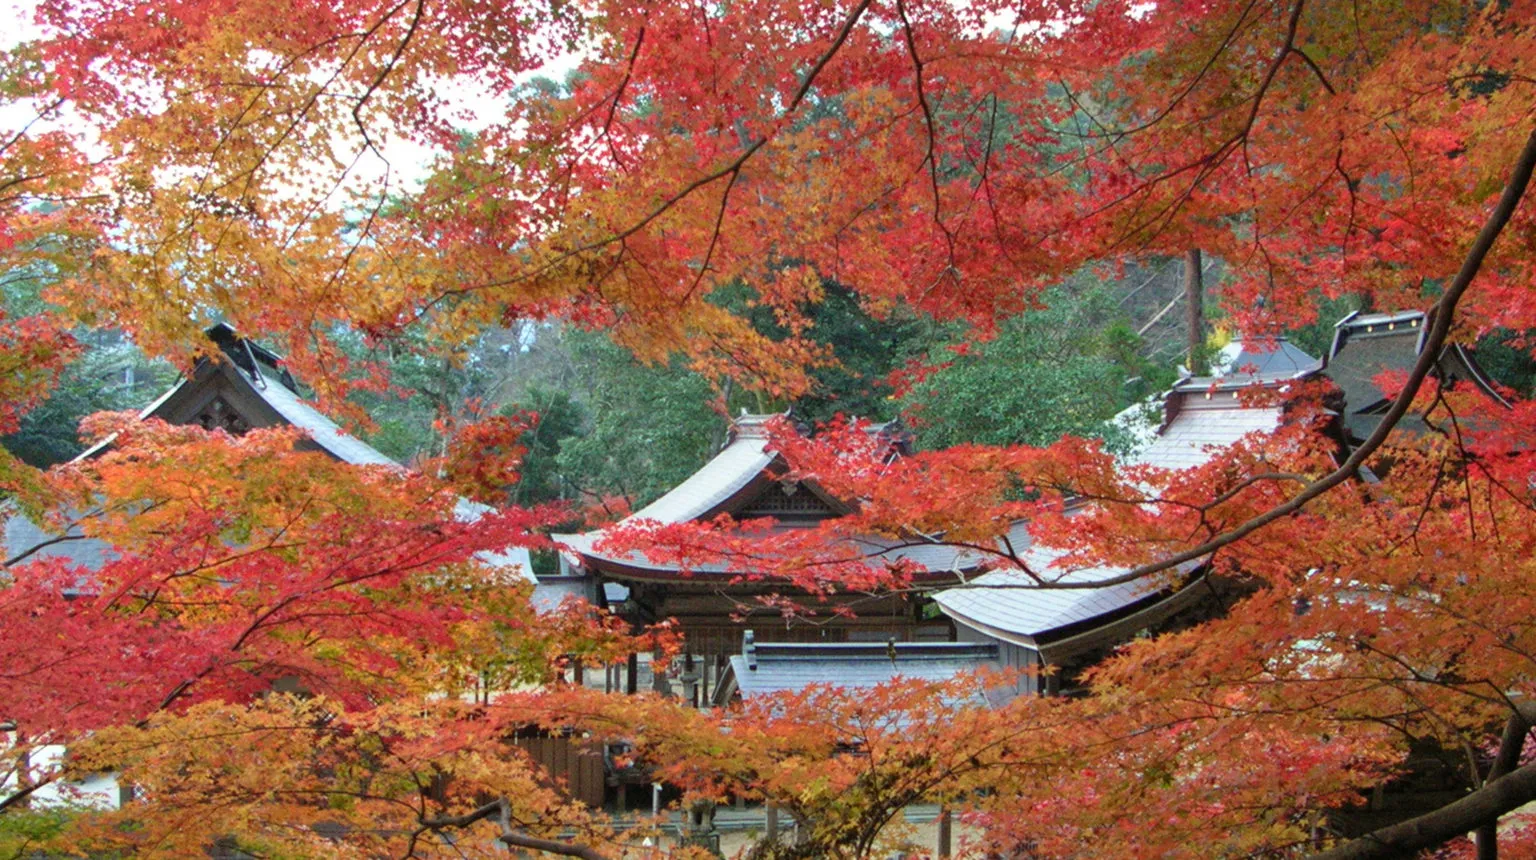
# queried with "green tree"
point(647, 427)
point(1062, 370)
point(559, 419)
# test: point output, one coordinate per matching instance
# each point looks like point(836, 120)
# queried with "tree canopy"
point(389, 178)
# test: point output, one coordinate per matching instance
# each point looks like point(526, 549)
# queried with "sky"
point(407, 161)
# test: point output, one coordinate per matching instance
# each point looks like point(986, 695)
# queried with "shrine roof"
point(1198, 433)
point(22, 534)
point(1261, 359)
point(934, 557)
point(1203, 416)
point(322, 431)
point(740, 462)
point(742, 471)
point(1368, 345)
point(258, 372)
point(1010, 603)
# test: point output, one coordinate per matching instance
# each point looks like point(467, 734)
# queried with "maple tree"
point(257, 159)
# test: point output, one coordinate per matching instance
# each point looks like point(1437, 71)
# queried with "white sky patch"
point(400, 163)
point(20, 17)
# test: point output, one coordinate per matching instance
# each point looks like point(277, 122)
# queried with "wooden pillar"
point(773, 823)
point(580, 674)
point(632, 683)
point(690, 690)
point(944, 833)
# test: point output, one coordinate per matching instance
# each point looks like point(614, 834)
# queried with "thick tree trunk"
point(1480, 808)
point(1194, 312)
point(1508, 758)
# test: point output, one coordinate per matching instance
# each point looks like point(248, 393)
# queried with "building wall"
point(1010, 656)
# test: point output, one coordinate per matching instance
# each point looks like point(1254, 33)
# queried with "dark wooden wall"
point(573, 764)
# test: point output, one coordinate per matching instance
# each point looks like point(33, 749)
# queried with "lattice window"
point(219, 415)
point(793, 500)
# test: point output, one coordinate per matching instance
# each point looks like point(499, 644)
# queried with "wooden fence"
point(575, 765)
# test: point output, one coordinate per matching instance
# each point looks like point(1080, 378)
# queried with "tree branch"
point(1403, 839)
point(1507, 759)
point(510, 837)
point(22, 794)
point(40, 545)
point(1439, 331)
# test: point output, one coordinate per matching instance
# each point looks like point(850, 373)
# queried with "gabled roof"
point(253, 384)
point(743, 460)
point(1260, 359)
point(1201, 428)
point(255, 375)
point(322, 431)
point(938, 559)
point(1203, 415)
point(1367, 345)
point(746, 480)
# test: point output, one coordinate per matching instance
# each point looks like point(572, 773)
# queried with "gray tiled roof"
point(1367, 345)
point(325, 432)
point(790, 667)
point(552, 591)
point(1007, 601)
point(1256, 359)
point(1208, 416)
point(1197, 434)
point(733, 468)
point(21, 534)
point(935, 556)
point(1364, 347)
point(739, 463)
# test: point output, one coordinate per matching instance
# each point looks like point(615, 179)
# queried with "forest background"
point(981, 223)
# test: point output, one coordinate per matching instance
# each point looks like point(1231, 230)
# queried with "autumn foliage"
point(307, 169)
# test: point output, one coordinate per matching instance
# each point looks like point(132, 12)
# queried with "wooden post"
point(773, 823)
point(944, 833)
point(580, 674)
point(23, 773)
point(1194, 309)
point(690, 690)
point(632, 683)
